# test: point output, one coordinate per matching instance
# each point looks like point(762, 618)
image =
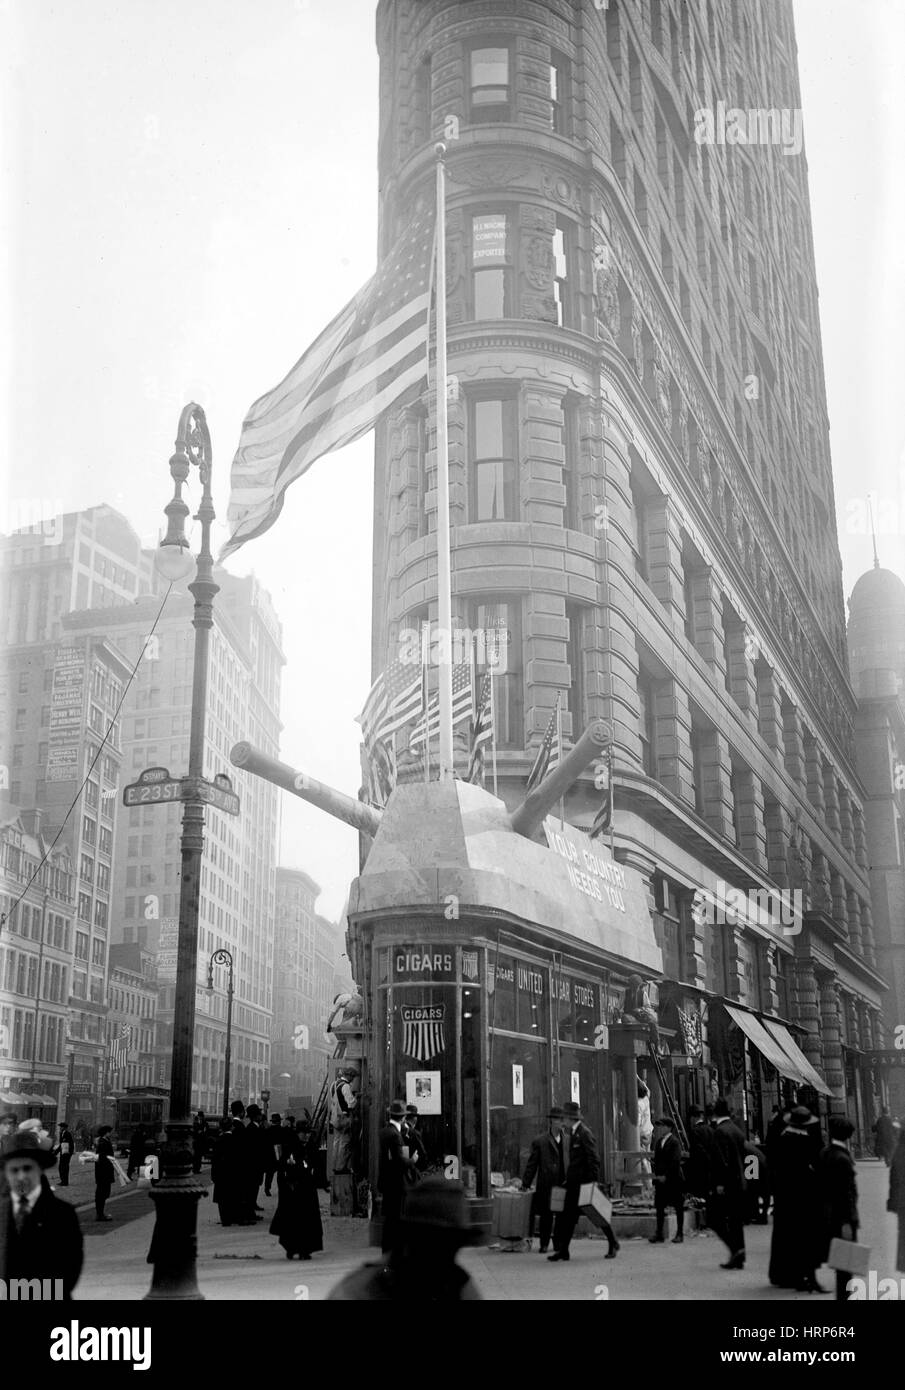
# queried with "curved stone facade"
point(640, 481)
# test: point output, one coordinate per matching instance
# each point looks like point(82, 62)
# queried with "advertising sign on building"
point(66, 720)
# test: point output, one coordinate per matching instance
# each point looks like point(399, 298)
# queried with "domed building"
point(876, 638)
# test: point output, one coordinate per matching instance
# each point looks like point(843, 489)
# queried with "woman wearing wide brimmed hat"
point(796, 1250)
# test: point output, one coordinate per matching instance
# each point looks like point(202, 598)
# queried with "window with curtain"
point(493, 454)
point(490, 91)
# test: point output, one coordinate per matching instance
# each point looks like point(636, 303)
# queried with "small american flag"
point(462, 706)
point(481, 731)
point(549, 755)
point(604, 817)
point(394, 698)
point(373, 351)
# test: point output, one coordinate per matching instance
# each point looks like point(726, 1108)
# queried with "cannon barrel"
point(526, 818)
point(344, 808)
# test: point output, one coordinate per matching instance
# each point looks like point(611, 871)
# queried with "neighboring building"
point(642, 500)
point(304, 961)
point(37, 908)
point(89, 559)
point(876, 638)
point(132, 1017)
point(237, 876)
point(62, 733)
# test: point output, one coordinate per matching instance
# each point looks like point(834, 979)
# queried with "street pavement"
point(246, 1263)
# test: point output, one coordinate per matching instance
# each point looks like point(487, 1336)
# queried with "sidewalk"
point(248, 1264)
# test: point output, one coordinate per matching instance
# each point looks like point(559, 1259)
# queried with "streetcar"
point(141, 1105)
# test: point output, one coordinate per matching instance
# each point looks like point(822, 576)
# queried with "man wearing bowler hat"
point(40, 1237)
point(545, 1162)
point(582, 1165)
point(395, 1170)
point(422, 1264)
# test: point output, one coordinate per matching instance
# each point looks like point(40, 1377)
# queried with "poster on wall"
point(576, 1087)
point(422, 1088)
point(518, 1084)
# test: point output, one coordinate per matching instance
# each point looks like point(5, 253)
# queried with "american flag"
point(395, 697)
point(373, 351)
point(119, 1047)
point(549, 755)
point(481, 731)
point(462, 705)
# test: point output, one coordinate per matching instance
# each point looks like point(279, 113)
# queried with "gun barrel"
point(526, 818)
point(344, 808)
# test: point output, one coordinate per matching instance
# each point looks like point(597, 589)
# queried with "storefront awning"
point(766, 1044)
point(788, 1044)
point(13, 1098)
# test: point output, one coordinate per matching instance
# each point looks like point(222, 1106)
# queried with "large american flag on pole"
point(372, 352)
point(549, 755)
point(119, 1047)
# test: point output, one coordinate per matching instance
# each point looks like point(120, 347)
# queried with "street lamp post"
point(174, 1246)
point(224, 957)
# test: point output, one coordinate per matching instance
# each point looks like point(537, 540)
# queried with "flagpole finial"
point(440, 151)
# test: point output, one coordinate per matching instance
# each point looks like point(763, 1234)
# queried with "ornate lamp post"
point(224, 957)
point(174, 1246)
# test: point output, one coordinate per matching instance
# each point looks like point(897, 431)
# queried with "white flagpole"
point(444, 582)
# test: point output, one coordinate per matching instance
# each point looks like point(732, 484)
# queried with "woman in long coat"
point(797, 1248)
point(896, 1202)
point(297, 1220)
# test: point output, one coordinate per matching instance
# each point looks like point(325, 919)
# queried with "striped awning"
point(788, 1044)
point(766, 1044)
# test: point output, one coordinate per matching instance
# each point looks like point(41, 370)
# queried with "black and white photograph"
point(452, 689)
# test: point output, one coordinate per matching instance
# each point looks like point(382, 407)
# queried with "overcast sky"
point(189, 195)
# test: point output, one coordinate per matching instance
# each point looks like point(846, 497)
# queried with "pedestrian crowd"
point(812, 1187)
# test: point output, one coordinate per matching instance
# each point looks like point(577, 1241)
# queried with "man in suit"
point(582, 1165)
point(545, 1162)
point(257, 1153)
point(40, 1236)
point(729, 1184)
point(701, 1161)
point(412, 1137)
point(65, 1149)
point(395, 1169)
point(103, 1171)
point(839, 1193)
point(668, 1179)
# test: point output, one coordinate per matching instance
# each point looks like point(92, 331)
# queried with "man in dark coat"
point(137, 1146)
point(40, 1237)
point(668, 1180)
point(796, 1250)
point(729, 1184)
point(422, 1265)
point(701, 1161)
point(895, 1202)
point(412, 1137)
point(838, 1193)
point(582, 1165)
point(103, 1171)
point(65, 1149)
point(545, 1162)
point(226, 1174)
point(257, 1154)
point(393, 1173)
point(885, 1137)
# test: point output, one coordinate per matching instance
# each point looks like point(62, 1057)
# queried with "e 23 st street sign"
point(155, 785)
